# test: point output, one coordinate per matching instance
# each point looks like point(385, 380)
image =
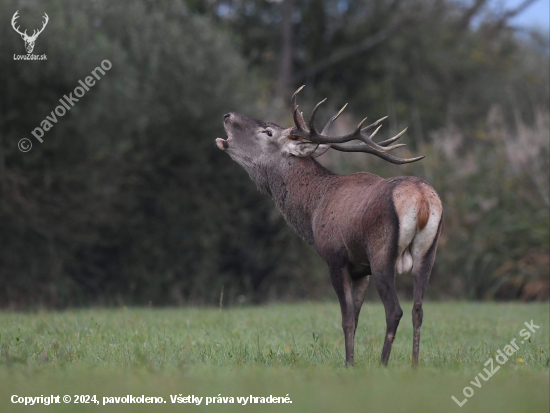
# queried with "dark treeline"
point(128, 201)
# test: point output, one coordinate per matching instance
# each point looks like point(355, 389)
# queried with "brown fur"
point(360, 224)
point(353, 222)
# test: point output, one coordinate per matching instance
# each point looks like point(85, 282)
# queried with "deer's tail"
point(423, 213)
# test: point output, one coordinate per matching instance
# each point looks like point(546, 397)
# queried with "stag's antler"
point(13, 21)
point(46, 20)
point(35, 33)
point(309, 133)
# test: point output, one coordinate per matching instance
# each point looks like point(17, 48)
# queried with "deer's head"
point(252, 142)
point(29, 40)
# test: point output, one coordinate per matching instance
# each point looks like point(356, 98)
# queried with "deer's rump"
point(371, 219)
point(419, 211)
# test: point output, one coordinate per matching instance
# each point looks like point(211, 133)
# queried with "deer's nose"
point(226, 116)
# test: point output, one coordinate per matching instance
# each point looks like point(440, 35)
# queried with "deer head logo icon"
point(29, 40)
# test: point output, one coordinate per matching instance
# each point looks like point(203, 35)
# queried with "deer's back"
point(363, 215)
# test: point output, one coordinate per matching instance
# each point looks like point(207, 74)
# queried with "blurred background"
point(129, 202)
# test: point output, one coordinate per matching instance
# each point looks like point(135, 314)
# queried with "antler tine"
point(388, 141)
point(13, 22)
point(329, 123)
point(368, 140)
point(44, 24)
point(375, 131)
point(377, 146)
point(359, 126)
point(367, 149)
point(373, 125)
point(312, 129)
point(298, 118)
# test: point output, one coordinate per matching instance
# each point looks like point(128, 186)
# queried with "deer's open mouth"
point(223, 144)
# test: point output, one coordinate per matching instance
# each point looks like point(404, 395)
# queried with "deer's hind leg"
point(359, 291)
point(384, 279)
point(423, 251)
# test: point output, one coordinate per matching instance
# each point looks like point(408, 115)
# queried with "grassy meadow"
point(283, 349)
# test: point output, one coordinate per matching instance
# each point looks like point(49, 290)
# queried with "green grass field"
point(285, 349)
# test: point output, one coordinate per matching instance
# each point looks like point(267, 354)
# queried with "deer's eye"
point(268, 132)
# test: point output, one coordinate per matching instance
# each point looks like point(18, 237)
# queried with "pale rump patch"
point(419, 211)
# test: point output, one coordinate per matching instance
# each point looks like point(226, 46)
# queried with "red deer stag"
point(360, 224)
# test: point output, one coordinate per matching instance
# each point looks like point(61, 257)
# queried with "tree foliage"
point(127, 199)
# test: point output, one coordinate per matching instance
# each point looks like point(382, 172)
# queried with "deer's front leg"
point(342, 283)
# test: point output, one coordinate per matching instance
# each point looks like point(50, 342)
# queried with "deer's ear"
point(299, 148)
point(321, 149)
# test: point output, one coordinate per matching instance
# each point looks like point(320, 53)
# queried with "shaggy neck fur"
point(297, 185)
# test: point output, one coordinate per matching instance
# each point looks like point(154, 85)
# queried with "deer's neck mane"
point(297, 187)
